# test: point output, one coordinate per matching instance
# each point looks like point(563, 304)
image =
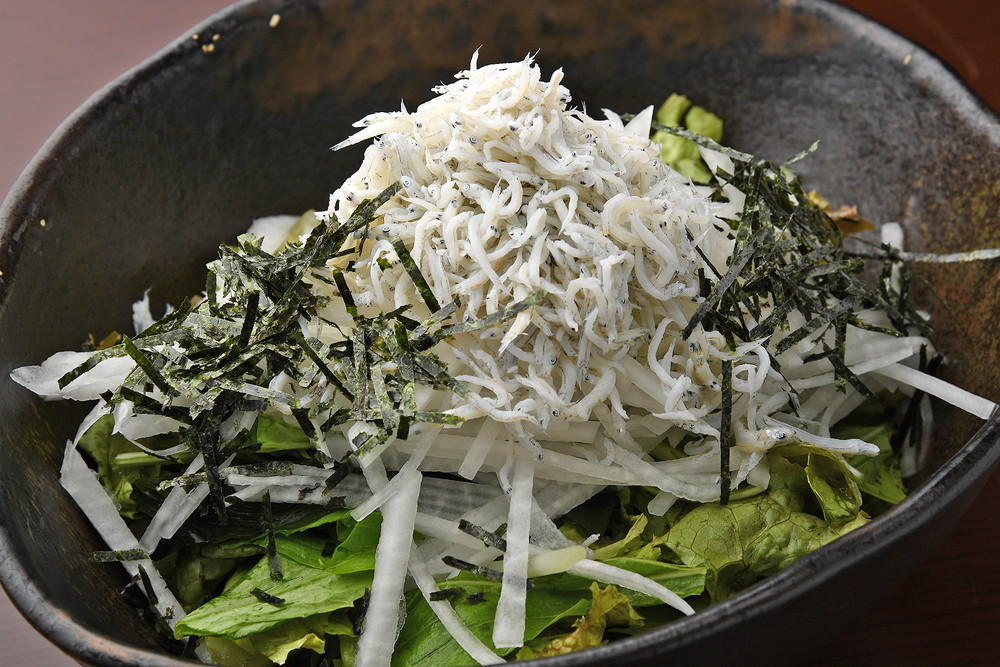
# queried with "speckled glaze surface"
point(143, 183)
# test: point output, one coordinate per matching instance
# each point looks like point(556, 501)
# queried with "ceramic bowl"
point(140, 186)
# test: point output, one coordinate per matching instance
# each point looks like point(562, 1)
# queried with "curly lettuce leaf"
point(275, 645)
point(746, 540)
point(682, 154)
point(685, 580)
point(609, 608)
point(882, 477)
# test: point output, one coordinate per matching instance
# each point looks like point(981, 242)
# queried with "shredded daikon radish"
point(446, 614)
point(508, 626)
point(981, 407)
point(82, 484)
point(610, 574)
point(391, 558)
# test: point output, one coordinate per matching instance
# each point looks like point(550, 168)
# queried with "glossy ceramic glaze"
point(142, 184)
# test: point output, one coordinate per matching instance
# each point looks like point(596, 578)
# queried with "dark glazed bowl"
point(140, 186)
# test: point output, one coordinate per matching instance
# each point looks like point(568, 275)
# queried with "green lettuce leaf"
point(304, 591)
point(685, 580)
point(103, 447)
point(882, 476)
point(682, 154)
point(609, 608)
point(747, 540)
point(424, 641)
point(275, 434)
point(273, 646)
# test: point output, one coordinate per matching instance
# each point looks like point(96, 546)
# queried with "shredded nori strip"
point(478, 570)
point(725, 431)
point(148, 587)
point(476, 598)
point(415, 275)
point(494, 540)
point(264, 596)
point(267, 523)
point(118, 556)
point(445, 594)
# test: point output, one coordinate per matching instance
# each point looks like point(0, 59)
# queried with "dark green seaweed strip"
point(478, 570)
point(345, 293)
point(89, 363)
point(267, 524)
point(249, 319)
point(390, 418)
point(445, 594)
point(698, 139)
point(117, 556)
point(415, 275)
point(265, 597)
point(725, 431)
point(323, 366)
point(483, 535)
point(492, 319)
point(148, 587)
point(147, 367)
point(824, 318)
point(399, 346)
point(722, 286)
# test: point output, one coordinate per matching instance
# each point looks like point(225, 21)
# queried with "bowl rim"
point(974, 460)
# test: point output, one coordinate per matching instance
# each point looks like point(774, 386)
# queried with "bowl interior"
point(143, 184)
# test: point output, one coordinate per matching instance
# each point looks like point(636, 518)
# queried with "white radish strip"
point(191, 502)
point(446, 530)
point(107, 375)
point(382, 495)
point(508, 624)
point(872, 365)
point(949, 393)
point(83, 486)
point(391, 557)
point(471, 644)
point(609, 574)
point(169, 509)
point(480, 447)
point(659, 505)
point(557, 499)
point(544, 531)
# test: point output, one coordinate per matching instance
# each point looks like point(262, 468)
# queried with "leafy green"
point(275, 434)
point(625, 544)
point(103, 447)
point(307, 591)
point(197, 576)
point(273, 646)
point(882, 477)
point(747, 540)
point(685, 580)
point(680, 153)
point(424, 641)
point(610, 608)
point(356, 553)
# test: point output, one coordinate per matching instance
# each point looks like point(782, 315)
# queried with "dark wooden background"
point(56, 53)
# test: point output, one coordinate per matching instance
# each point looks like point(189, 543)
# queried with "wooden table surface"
point(54, 54)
